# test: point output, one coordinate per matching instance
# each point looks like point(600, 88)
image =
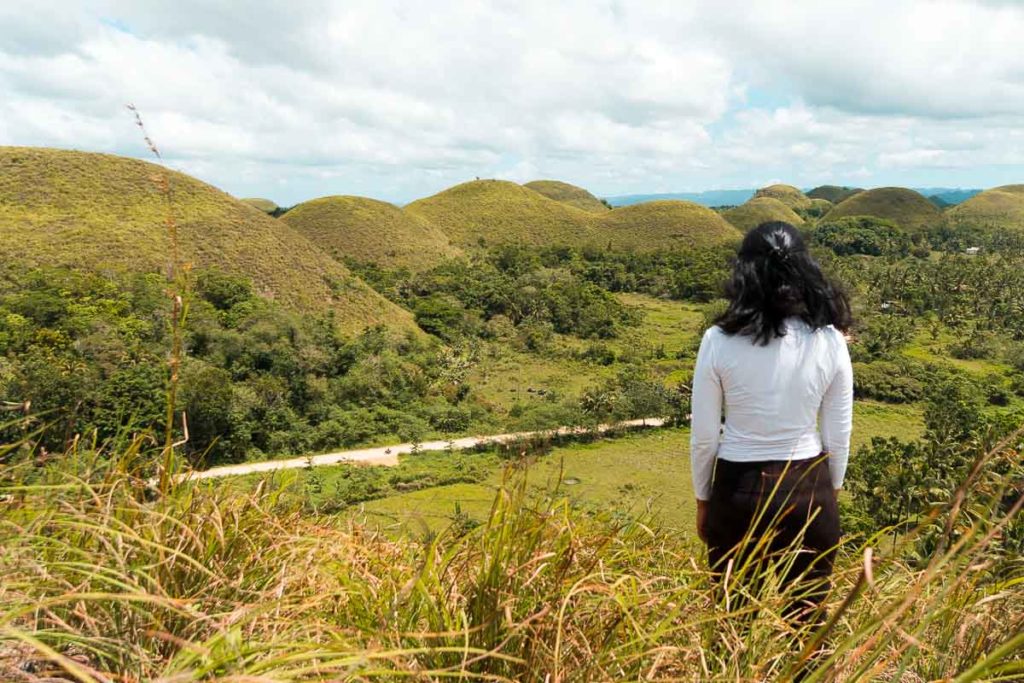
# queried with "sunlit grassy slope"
point(101, 211)
point(370, 230)
point(760, 210)
point(1001, 208)
point(264, 205)
point(568, 194)
point(908, 209)
point(787, 194)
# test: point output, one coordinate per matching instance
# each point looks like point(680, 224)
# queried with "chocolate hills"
point(568, 194)
point(908, 209)
point(369, 230)
point(760, 210)
point(489, 212)
point(1001, 208)
point(107, 212)
point(833, 193)
point(787, 194)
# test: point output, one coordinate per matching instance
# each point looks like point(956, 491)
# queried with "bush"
point(862, 235)
point(887, 381)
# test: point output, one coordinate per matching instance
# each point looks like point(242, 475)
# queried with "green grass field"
point(646, 472)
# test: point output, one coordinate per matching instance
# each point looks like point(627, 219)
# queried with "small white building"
point(972, 251)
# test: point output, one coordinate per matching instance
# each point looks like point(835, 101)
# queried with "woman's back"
point(773, 393)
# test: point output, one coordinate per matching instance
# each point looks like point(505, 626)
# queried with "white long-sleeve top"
point(776, 399)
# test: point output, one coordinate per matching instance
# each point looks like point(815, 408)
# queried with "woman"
point(766, 486)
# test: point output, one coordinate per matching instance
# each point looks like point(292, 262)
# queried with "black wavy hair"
point(774, 278)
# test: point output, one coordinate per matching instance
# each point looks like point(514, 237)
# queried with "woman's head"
point(774, 278)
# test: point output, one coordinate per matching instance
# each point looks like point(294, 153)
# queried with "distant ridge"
point(737, 197)
point(706, 198)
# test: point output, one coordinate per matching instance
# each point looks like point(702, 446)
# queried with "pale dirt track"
point(388, 455)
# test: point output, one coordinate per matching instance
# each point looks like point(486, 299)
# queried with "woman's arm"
point(706, 422)
point(835, 416)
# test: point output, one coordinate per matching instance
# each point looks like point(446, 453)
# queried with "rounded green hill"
point(98, 211)
point(369, 230)
point(908, 209)
point(833, 193)
point(664, 224)
point(760, 210)
point(264, 205)
point(568, 194)
point(489, 212)
point(787, 194)
point(1001, 208)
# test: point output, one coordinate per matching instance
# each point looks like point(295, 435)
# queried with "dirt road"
point(388, 455)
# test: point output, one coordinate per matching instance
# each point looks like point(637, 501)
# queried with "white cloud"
point(397, 100)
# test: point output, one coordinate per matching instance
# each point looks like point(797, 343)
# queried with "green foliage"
point(862, 235)
point(88, 352)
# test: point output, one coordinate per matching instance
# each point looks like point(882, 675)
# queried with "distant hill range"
point(941, 196)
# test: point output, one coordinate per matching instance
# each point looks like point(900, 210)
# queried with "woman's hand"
point(702, 520)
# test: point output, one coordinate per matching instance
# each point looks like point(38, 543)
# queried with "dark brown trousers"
point(775, 511)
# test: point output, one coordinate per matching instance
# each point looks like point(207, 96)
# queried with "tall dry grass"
point(101, 580)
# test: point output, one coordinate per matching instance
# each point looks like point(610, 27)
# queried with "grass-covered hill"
point(98, 211)
point(664, 224)
point(908, 209)
point(489, 212)
point(1001, 208)
point(761, 210)
point(369, 230)
point(568, 194)
point(264, 205)
point(833, 193)
point(787, 194)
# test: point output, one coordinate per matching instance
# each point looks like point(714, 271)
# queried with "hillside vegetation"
point(369, 230)
point(1000, 208)
point(760, 210)
point(787, 194)
point(833, 193)
point(568, 194)
point(98, 211)
point(908, 209)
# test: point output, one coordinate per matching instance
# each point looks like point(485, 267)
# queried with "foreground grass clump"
point(100, 582)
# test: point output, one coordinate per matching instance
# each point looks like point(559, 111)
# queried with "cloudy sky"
point(292, 100)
